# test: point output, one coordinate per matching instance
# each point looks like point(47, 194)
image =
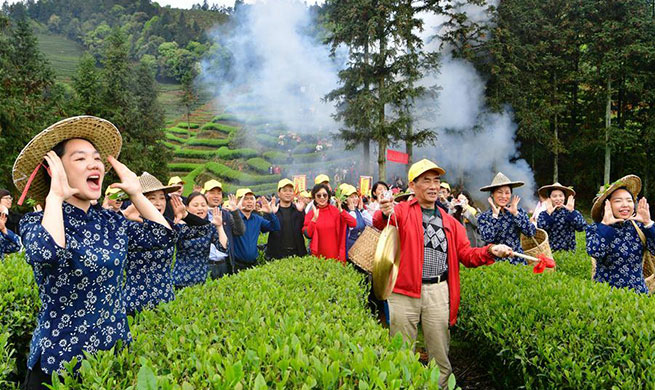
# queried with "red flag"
point(396, 156)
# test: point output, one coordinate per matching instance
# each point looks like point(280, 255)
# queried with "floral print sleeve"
point(544, 221)
point(40, 247)
point(576, 220)
point(149, 235)
point(488, 227)
point(9, 243)
point(599, 237)
point(522, 221)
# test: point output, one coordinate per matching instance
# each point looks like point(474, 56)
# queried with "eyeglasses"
point(7, 197)
point(322, 195)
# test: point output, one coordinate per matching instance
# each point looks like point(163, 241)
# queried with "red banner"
point(396, 156)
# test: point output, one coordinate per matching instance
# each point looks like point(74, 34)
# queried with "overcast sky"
point(189, 3)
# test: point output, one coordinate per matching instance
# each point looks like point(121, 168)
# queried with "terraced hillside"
point(238, 148)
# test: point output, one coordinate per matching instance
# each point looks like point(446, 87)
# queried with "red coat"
point(328, 232)
point(410, 229)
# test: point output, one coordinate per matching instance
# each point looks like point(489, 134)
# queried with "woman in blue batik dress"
point(148, 278)
point(78, 252)
point(619, 236)
point(192, 258)
point(560, 219)
point(504, 222)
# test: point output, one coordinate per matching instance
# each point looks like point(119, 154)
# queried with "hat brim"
point(630, 182)
point(100, 132)
point(402, 197)
point(440, 171)
point(545, 190)
point(166, 189)
point(511, 184)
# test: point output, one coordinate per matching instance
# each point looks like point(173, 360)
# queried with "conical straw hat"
point(500, 181)
point(545, 190)
point(100, 132)
point(632, 183)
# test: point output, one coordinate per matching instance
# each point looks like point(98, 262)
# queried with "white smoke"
point(473, 143)
point(278, 70)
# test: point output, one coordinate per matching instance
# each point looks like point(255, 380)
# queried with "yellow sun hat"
point(210, 185)
point(283, 183)
point(321, 179)
point(420, 167)
point(241, 192)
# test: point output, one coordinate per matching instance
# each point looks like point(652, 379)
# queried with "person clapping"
point(560, 220)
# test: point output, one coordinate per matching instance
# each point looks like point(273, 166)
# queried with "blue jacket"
point(506, 229)
point(245, 246)
point(561, 226)
point(9, 243)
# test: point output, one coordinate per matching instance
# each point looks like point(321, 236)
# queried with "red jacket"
point(410, 229)
point(332, 241)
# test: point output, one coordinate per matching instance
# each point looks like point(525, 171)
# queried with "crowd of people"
point(95, 262)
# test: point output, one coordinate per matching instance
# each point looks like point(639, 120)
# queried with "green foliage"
point(226, 153)
point(555, 330)
point(270, 333)
point(190, 179)
point(226, 118)
point(173, 137)
point(183, 167)
point(7, 359)
point(192, 153)
point(267, 140)
point(259, 164)
point(184, 125)
point(209, 126)
point(19, 305)
point(229, 174)
point(224, 128)
point(304, 148)
point(178, 130)
point(275, 156)
point(208, 141)
point(576, 264)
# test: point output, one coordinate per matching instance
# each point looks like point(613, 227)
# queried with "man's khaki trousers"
point(432, 311)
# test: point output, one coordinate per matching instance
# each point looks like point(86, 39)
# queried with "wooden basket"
point(362, 252)
point(536, 245)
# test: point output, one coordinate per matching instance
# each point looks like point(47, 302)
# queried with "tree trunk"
point(608, 124)
point(409, 147)
point(382, 159)
point(366, 164)
point(556, 157)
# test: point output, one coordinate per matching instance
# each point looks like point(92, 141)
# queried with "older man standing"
point(221, 263)
point(432, 245)
point(245, 246)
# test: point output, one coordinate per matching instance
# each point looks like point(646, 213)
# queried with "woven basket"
point(536, 245)
point(362, 252)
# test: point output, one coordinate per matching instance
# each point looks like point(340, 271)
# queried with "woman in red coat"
point(326, 224)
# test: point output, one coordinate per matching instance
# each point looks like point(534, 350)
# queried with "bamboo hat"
point(149, 183)
point(403, 196)
point(26, 173)
point(546, 190)
point(501, 181)
point(632, 183)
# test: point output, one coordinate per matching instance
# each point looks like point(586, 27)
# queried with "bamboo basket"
point(362, 252)
point(536, 245)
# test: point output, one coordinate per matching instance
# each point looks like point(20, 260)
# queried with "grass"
point(62, 53)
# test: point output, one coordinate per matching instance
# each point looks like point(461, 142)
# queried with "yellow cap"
point(283, 183)
point(305, 194)
point(348, 190)
point(321, 178)
point(112, 191)
point(175, 180)
point(420, 167)
point(445, 185)
point(241, 192)
point(226, 202)
point(210, 185)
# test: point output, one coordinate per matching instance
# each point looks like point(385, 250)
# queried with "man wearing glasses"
point(13, 218)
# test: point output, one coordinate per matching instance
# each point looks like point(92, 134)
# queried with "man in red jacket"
point(432, 245)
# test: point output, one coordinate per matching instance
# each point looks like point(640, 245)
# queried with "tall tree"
point(189, 97)
point(378, 84)
point(88, 86)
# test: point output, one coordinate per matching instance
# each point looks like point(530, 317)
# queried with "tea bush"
point(259, 164)
point(183, 167)
point(225, 117)
point(293, 323)
point(178, 130)
point(208, 142)
point(226, 153)
point(275, 156)
point(559, 331)
point(173, 137)
point(232, 175)
point(184, 125)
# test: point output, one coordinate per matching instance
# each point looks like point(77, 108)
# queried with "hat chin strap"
point(29, 182)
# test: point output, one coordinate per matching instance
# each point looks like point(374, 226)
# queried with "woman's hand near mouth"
point(608, 216)
point(60, 190)
point(643, 212)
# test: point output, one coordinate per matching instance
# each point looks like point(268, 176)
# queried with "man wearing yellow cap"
point(288, 241)
point(433, 244)
point(245, 246)
point(112, 204)
point(177, 181)
point(222, 262)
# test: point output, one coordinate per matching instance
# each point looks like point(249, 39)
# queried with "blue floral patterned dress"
point(561, 226)
point(618, 252)
point(80, 286)
point(506, 229)
point(192, 258)
point(9, 243)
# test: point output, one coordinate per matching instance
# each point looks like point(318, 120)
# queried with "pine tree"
point(88, 86)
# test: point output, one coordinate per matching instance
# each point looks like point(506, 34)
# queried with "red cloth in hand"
point(544, 262)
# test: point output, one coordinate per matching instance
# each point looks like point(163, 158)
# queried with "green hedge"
point(304, 148)
point(178, 130)
point(19, 306)
point(259, 164)
point(190, 125)
point(230, 154)
point(173, 137)
point(7, 360)
point(578, 263)
point(267, 140)
point(192, 153)
point(170, 145)
point(556, 331)
point(275, 156)
point(208, 141)
point(226, 117)
point(222, 127)
point(226, 173)
point(294, 323)
point(190, 179)
point(184, 167)
point(259, 189)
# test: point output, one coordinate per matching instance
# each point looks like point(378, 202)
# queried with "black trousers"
point(36, 379)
